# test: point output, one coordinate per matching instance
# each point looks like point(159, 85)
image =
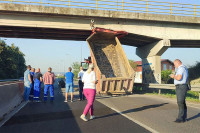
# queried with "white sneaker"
point(83, 117)
point(65, 101)
point(92, 117)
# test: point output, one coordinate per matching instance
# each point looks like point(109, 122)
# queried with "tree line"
point(12, 61)
point(193, 71)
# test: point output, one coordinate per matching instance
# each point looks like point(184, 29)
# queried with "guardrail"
point(170, 87)
point(6, 80)
point(141, 6)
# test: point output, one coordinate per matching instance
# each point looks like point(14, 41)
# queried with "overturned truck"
point(114, 73)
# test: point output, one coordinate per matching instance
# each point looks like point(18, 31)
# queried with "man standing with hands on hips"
point(180, 81)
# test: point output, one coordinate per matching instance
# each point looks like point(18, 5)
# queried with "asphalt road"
point(155, 112)
point(133, 113)
point(60, 117)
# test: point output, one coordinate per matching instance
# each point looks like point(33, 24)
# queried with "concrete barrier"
point(11, 95)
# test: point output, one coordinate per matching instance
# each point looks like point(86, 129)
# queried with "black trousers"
point(31, 92)
point(81, 95)
point(181, 91)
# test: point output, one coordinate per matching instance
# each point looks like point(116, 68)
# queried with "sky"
point(61, 54)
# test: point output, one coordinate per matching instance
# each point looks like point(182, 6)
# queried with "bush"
point(194, 71)
point(165, 78)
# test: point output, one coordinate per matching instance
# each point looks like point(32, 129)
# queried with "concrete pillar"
point(151, 60)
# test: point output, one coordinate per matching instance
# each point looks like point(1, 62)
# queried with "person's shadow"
point(193, 117)
point(133, 110)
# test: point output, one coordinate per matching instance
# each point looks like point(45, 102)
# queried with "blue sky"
point(61, 54)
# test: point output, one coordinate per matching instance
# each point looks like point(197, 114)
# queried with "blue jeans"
point(69, 87)
point(51, 89)
point(26, 93)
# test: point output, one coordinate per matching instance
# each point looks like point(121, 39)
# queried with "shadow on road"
point(43, 117)
point(193, 117)
point(134, 110)
point(40, 117)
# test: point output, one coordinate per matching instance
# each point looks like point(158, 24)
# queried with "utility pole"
point(81, 52)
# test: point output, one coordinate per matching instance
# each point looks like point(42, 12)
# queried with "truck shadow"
point(134, 110)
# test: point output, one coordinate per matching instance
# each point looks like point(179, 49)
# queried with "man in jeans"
point(27, 83)
point(49, 79)
point(69, 76)
point(180, 81)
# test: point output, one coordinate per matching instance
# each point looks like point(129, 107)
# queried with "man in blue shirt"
point(37, 85)
point(69, 76)
point(180, 81)
point(27, 83)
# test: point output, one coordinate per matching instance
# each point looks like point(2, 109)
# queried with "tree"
point(194, 71)
point(165, 78)
point(76, 68)
point(12, 61)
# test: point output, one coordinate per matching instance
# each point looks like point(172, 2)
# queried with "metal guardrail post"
point(199, 96)
point(194, 10)
point(159, 91)
point(122, 5)
point(171, 8)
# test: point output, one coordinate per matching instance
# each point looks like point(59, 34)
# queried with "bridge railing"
point(141, 6)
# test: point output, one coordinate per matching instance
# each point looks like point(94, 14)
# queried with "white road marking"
point(137, 122)
point(12, 113)
point(9, 84)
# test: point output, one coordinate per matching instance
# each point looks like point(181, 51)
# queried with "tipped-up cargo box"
point(114, 73)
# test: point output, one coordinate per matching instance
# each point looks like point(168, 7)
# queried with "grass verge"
point(190, 96)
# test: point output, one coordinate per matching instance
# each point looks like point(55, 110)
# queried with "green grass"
point(190, 96)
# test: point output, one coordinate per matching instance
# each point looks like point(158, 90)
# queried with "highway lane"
point(155, 112)
point(60, 117)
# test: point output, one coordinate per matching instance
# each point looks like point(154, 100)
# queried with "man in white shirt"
point(180, 81)
point(80, 84)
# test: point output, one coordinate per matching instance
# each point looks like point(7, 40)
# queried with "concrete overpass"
point(152, 34)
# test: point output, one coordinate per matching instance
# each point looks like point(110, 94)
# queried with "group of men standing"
point(32, 84)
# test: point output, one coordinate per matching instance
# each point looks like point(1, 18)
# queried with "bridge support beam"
point(151, 60)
